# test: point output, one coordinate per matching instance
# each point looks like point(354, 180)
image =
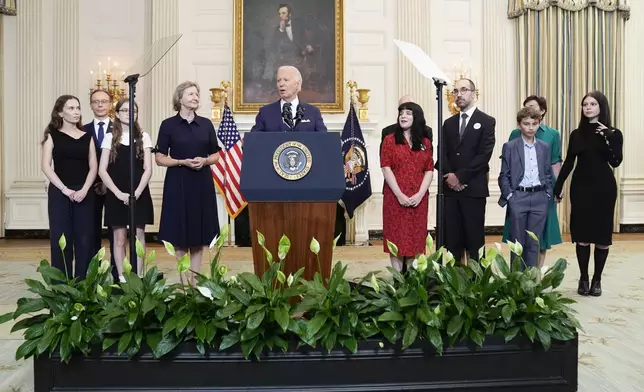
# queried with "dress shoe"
point(596, 288)
point(583, 287)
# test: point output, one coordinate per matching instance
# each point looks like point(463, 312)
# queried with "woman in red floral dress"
point(408, 167)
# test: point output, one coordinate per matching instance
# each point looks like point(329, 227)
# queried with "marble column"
point(162, 20)
point(634, 96)
point(30, 91)
point(413, 27)
point(497, 87)
point(66, 43)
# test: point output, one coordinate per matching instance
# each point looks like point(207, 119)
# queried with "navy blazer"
point(89, 128)
point(269, 119)
point(513, 167)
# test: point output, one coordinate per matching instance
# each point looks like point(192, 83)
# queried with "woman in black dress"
point(597, 146)
point(187, 146)
point(114, 170)
point(69, 200)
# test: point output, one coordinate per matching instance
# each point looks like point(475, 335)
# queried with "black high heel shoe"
point(583, 287)
point(596, 288)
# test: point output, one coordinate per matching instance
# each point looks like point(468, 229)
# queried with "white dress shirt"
point(105, 125)
point(294, 104)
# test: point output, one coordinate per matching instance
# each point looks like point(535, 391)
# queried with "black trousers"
point(98, 230)
point(464, 225)
point(76, 222)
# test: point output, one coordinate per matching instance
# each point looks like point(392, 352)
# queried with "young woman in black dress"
point(114, 170)
point(597, 148)
point(69, 200)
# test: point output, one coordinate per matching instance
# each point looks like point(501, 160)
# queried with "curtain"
point(8, 7)
point(565, 49)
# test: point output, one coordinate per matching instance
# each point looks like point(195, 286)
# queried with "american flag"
point(226, 172)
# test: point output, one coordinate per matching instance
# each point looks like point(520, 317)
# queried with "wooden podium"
point(292, 182)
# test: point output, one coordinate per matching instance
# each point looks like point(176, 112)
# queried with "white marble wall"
point(57, 42)
point(632, 187)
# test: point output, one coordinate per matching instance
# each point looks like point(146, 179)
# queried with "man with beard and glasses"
point(469, 141)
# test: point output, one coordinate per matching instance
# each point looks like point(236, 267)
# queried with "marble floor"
point(610, 352)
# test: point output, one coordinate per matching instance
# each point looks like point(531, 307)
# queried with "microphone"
point(286, 114)
point(299, 114)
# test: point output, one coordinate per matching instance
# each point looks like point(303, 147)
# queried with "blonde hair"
point(178, 93)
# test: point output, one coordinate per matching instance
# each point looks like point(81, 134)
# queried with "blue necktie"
point(101, 133)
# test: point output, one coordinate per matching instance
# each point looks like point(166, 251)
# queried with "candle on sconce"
point(91, 78)
point(109, 65)
point(99, 69)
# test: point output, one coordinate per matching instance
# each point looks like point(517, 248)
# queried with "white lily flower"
point(205, 292)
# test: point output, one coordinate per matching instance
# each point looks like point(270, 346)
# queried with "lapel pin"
point(477, 125)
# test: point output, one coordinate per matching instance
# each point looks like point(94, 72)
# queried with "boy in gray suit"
point(526, 184)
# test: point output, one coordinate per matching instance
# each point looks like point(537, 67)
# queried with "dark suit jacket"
point(391, 128)
point(513, 167)
point(468, 158)
point(269, 119)
point(89, 128)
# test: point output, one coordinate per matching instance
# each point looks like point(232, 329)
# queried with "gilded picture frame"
point(8, 7)
point(308, 34)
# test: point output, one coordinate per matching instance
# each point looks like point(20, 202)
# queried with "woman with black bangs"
point(597, 148)
point(408, 167)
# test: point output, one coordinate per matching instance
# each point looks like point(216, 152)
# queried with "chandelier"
point(105, 79)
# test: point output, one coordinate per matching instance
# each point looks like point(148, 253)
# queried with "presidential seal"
point(292, 160)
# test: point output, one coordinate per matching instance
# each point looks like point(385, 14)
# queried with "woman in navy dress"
point(187, 146)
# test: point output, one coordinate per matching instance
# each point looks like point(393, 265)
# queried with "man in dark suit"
point(101, 103)
point(469, 141)
point(289, 114)
point(391, 128)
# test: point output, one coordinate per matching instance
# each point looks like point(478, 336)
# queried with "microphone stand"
point(440, 197)
point(131, 81)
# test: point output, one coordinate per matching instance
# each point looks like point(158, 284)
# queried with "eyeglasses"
point(127, 111)
point(461, 91)
point(101, 102)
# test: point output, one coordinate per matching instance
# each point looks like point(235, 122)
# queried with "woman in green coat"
point(551, 234)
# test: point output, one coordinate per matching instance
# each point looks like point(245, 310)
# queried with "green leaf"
point(282, 317)
point(229, 310)
point(455, 325)
point(124, 341)
point(253, 281)
point(477, 337)
point(200, 330)
point(530, 330)
point(31, 305)
point(65, 348)
point(544, 338)
point(408, 301)
point(391, 316)
point(6, 317)
point(167, 344)
point(409, 336)
point(109, 342)
point(140, 249)
point(315, 324)
point(544, 324)
point(423, 315)
point(511, 333)
point(46, 340)
point(240, 295)
point(75, 332)
point(26, 349)
point(506, 312)
point(351, 345)
point(435, 338)
point(159, 311)
point(247, 346)
point(169, 248)
point(149, 303)
point(255, 319)
point(229, 340)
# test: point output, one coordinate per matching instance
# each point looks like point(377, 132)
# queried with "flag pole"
point(440, 197)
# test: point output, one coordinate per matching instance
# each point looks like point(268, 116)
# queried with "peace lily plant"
point(437, 300)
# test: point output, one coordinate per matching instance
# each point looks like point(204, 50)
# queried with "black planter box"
point(516, 366)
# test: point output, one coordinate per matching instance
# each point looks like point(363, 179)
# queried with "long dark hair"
point(604, 109)
point(417, 127)
point(117, 132)
point(56, 122)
